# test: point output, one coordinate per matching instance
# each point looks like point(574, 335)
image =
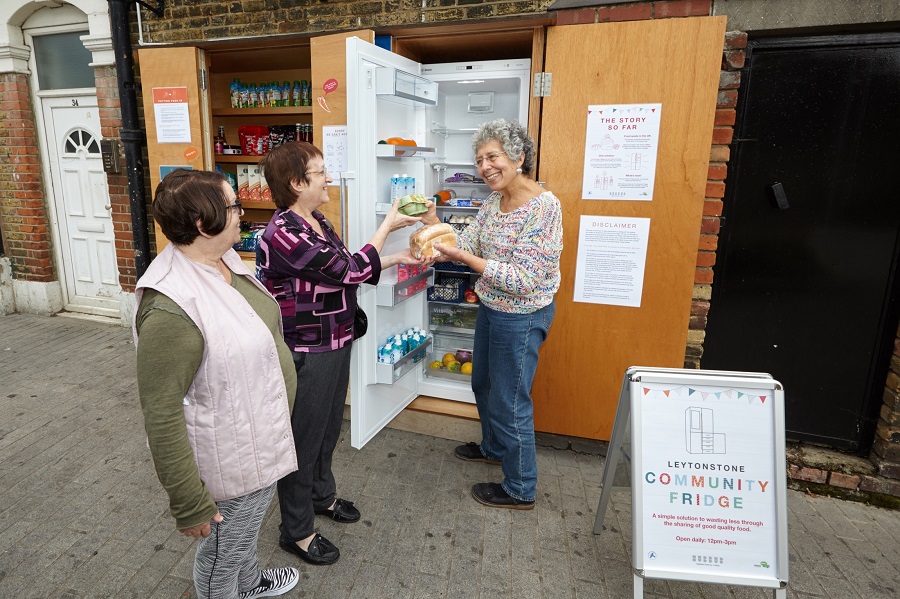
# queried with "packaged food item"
point(243, 180)
point(421, 243)
point(255, 184)
point(413, 205)
point(254, 139)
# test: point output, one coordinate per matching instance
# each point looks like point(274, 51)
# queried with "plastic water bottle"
point(395, 188)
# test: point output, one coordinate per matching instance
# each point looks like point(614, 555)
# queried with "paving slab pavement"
point(83, 516)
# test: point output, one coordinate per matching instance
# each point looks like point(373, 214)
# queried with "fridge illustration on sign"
point(410, 130)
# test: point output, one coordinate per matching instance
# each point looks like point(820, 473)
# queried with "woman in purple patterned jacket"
point(305, 265)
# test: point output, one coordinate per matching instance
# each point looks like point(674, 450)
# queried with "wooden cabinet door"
point(177, 68)
point(329, 61)
point(675, 62)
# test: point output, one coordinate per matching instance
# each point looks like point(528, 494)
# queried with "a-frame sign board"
point(705, 451)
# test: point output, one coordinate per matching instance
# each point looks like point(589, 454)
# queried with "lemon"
point(466, 368)
point(448, 358)
point(437, 365)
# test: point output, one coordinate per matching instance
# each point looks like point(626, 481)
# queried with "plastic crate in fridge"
point(446, 294)
point(451, 267)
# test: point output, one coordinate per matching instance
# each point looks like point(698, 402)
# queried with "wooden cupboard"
point(674, 62)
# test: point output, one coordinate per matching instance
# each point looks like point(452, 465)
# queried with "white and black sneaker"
point(274, 582)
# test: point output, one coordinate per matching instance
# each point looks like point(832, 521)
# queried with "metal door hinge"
point(204, 79)
point(542, 84)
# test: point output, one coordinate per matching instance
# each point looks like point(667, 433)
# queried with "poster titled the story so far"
point(620, 149)
point(708, 480)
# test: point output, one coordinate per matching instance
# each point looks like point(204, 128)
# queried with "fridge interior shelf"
point(446, 132)
point(388, 374)
point(393, 84)
point(450, 315)
point(391, 294)
point(392, 151)
point(441, 373)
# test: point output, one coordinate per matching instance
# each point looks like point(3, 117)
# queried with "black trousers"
point(322, 381)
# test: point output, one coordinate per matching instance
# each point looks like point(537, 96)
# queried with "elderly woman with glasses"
point(312, 274)
point(216, 381)
point(515, 243)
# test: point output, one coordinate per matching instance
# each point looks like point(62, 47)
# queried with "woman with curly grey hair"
point(515, 243)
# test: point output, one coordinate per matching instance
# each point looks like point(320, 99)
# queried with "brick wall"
point(185, 21)
point(886, 450)
point(25, 222)
point(110, 123)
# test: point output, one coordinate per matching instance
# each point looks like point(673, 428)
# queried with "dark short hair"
point(184, 197)
point(285, 164)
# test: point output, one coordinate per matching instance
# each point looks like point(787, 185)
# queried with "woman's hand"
point(201, 530)
point(396, 220)
point(454, 254)
point(431, 217)
point(449, 254)
point(405, 257)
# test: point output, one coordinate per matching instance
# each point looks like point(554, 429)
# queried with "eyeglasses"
point(324, 171)
point(237, 207)
point(492, 157)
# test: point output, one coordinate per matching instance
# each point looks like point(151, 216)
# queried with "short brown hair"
point(184, 197)
point(285, 164)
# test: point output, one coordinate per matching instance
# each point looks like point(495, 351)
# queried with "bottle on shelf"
point(219, 141)
point(275, 94)
point(235, 93)
point(296, 99)
point(305, 93)
point(286, 94)
point(298, 132)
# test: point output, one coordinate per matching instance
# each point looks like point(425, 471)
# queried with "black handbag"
point(360, 323)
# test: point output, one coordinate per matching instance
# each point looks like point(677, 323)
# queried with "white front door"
point(84, 226)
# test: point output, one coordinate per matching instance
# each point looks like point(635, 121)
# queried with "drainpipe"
point(131, 134)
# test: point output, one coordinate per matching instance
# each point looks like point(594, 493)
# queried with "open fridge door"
point(386, 99)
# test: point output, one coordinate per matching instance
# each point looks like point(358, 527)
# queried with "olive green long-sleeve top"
point(168, 356)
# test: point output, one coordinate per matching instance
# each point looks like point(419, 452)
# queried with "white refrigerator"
point(439, 107)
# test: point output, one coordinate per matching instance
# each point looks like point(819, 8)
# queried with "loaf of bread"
point(421, 243)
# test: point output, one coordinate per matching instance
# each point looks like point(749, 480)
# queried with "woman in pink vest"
point(216, 383)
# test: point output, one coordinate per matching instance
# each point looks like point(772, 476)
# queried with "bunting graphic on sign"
point(693, 393)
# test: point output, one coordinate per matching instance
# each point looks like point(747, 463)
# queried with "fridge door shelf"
point(393, 84)
point(388, 374)
point(391, 151)
point(390, 294)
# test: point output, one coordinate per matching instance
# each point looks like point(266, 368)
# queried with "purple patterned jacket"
point(314, 280)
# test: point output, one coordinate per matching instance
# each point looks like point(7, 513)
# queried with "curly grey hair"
point(513, 138)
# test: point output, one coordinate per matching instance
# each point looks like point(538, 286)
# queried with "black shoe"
point(493, 495)
point(343, 511)
point(471, 452)
point(321, 552)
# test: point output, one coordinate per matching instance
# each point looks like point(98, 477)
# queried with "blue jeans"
point(505, 359)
